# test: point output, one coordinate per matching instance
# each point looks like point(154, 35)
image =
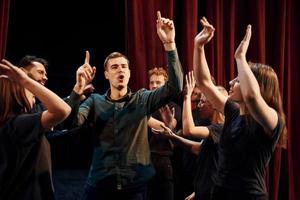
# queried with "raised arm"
point(256, 105)
point(201, 69)
point(57, 109)
point(163, 95)
point(84, 75)
point(189, 128)
point(166, 32)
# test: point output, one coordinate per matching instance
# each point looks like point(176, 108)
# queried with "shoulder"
point(215, 131)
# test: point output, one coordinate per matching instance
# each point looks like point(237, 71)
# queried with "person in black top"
point(161, 186)
point(21, 133)
point(207, 158)
point(36, 68)
point(251, 130)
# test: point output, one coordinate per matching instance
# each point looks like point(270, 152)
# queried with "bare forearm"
point(187, 117)
point(201, 69)
point(50, 100)
point(248, 83)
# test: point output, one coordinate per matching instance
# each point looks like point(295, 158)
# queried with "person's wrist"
point(78, 89)
point(169, 46)
point(168, 42)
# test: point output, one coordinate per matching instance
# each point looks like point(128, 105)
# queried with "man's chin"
point(121, 87)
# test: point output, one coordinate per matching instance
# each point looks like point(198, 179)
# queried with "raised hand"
point(206, 34)
point(190, 83)
point(11, 71)
point(84, 75)
point(165, 29)
point(241, 51)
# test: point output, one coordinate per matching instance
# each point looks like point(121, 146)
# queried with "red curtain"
point(144, 48)
point(274, 42)
point(4, 13)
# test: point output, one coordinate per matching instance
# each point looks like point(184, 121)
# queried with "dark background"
point(61, 32)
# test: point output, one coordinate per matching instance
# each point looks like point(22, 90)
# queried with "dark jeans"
point(95, 193)
point(220, 193)
point(161, 186)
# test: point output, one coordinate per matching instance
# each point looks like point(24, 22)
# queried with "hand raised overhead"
point(84, 75)
point(241, 51)
point(165, 29)
point(11, 71)
point(206, 34)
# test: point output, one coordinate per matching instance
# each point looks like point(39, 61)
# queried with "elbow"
point(186, 132)
point(65, 112)
point(203, 83)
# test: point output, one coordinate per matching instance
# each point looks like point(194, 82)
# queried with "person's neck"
point(243, 109)
point(117, 94)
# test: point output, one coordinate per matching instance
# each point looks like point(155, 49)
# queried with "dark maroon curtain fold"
point(144, 48)
point(4, 15)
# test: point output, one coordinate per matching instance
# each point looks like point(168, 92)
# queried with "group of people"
point(135, 132)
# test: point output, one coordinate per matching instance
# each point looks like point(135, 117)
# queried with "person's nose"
point(121, 69)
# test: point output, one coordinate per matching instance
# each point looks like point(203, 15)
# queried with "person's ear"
point(106, 74)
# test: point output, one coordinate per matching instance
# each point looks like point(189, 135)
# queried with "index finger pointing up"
point(87, 57)
point(158, 15)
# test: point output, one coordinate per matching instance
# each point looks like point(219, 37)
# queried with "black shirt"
point(20, 139)
point(244, 152)
point(207, 162)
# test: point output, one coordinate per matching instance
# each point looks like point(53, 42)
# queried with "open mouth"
point(121, 77)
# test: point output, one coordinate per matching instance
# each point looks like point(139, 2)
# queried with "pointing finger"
point(158, 15)
point(87, 57)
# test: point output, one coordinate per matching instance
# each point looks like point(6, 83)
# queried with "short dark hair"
point(27, 60)
point(114, 55)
